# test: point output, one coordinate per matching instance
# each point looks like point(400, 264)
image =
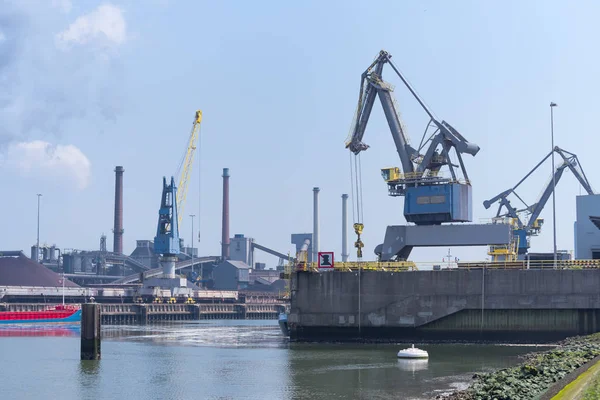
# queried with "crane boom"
point(405, 151)
point(533, 225)
point(186, 166)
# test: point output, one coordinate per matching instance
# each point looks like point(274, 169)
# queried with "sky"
point(88, 85)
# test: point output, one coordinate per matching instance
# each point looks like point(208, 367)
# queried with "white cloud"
point(64, 5)
point(39, 158)
point(106, 23)
point(45, 90)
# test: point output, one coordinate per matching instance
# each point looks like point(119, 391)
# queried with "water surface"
point(228, 360)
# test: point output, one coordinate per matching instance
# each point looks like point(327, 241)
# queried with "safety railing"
point(393, 175)
point(532, 264)
point(353, 266)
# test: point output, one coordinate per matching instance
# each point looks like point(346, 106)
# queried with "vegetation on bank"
point(536, 374)
point(592, 392)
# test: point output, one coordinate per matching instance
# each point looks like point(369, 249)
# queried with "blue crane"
point(532, 226)
point(430, 197)
point(166, 241)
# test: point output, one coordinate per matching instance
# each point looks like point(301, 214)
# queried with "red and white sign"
point(326, 260)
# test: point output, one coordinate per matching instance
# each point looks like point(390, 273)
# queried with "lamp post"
point(552, 105)
point(192, 243)
point(37, 248)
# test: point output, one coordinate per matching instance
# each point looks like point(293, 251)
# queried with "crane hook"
point(358, 228)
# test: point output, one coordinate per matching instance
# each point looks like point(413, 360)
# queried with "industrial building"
point(231, 275)
point(587, 227)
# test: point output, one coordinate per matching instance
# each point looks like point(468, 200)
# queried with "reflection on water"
point(227, 333)
point(58, 329)
point(412, 365)
point(232, 359)
point(89, 367)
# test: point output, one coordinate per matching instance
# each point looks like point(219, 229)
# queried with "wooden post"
point(90, 331)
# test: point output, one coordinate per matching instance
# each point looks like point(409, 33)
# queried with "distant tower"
point(315, 243)
point(225, 222)
point(118, 227)
point(103, 243)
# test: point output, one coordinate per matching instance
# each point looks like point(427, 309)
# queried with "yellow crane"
point(186, 166)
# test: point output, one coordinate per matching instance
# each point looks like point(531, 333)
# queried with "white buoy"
point(413, 352)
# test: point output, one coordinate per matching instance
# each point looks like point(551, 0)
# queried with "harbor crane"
point(526, 221)
point(185, 167)
point(166, 241)
point(432, 177)
point(431, 198)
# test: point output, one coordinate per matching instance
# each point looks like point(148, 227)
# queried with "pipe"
point(316, 224)
point(118, 226)
point(344, 227)
point(225, 222)
point(305, 245)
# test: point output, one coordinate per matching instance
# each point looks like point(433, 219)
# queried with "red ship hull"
point(55, 314)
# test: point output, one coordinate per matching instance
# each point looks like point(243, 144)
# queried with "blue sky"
point(88, 85)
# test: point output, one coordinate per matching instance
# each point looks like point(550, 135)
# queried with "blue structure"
point(436, 204)
point(166, 241)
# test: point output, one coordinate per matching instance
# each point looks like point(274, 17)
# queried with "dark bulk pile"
point(537, 373)
point(23, 271)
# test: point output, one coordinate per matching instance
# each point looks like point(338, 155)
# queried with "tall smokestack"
point(344, 227)
point(225, 235)
point(118, 227)
point(316, 224)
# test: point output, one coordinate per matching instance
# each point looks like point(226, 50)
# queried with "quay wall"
point(526, 305)
point(148, 313)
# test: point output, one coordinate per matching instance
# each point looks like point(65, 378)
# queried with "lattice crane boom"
point(186, 166)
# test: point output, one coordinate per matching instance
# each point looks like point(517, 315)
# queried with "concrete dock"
point(501, 305)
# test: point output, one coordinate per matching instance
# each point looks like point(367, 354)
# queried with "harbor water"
point(228, 360)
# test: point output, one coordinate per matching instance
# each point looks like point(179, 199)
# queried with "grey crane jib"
point(414, 163)
point(534, 210)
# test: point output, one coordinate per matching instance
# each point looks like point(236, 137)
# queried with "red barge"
point(59, 313)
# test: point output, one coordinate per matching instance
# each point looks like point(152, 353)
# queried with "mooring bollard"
point(90, 331)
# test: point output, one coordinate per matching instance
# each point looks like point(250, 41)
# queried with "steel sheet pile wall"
point(511, 305)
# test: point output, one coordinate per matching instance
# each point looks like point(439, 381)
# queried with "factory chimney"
point(225, 233)
point(344, 227)
point(316, 224)
point(118, 227)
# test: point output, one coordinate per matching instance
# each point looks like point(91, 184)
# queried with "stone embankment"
point(539, 376)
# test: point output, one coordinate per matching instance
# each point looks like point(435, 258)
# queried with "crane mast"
point(187, 163)
point(430, 197)
point(524, 229)
point(166, 241)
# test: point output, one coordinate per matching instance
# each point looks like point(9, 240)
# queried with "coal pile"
point(23, 271)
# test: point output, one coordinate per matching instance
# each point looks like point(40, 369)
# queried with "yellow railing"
point(524, 264)
point(393, 174)
point(416, 266)
point(363, 266)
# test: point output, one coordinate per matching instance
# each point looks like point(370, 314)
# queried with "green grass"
point(593, 391)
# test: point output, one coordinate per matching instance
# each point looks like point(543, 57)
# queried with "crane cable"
point(357, 201)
